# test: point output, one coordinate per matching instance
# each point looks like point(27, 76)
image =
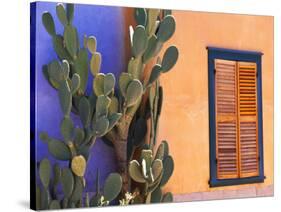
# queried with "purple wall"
point(107, 24)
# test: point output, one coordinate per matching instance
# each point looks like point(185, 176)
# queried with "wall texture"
point(185, 120)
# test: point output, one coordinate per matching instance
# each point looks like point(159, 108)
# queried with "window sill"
point(239, 181)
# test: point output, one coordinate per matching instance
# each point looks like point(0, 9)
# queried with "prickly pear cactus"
point(115, 110)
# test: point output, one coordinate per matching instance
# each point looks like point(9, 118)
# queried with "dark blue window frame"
point(243, 56)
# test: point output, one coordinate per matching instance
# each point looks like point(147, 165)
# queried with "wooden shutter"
point(226, 119)
point(248, 124)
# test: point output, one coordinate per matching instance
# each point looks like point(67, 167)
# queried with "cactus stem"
point(120, 146)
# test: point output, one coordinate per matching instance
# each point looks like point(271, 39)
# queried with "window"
point(235, 109)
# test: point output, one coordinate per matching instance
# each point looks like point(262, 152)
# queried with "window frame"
point(243, 56)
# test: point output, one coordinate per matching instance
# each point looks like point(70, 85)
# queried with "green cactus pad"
point(157, 168)
point(152, 18)
point(160, 151)
point(167, 12)
point(168, 165)
point(59, 150)
point(71, 40)
point(95, 63)
point(113, 120)
point(155, 73)
point(44, 137)
point(65, 97)
point(69, 12)
point(78, 189)
point(146, 155)
point(84, 111)
point(67, 128)
point(156, 195)
point(140, 16)
point(67, 182)
point(109, 83)
point(45, 198)
point(102, 106)
point(160, 100)
point(48, 22)
point(65, 69)
point(151, 48)
point(81, 68)
point(61, 13)
point(59, 47)
point(134, 92)
point(98, 84)
point(92, 44)
point(55, 72)
point(135, 67)
point(152, 95)
point(170, 58)
point(112, 186)
point(75, 83)
point(166, 148)
point(79, 136)
point(135, 171)
point(140, 41)
point(38, 198)
point(55, 204)
point(45, 172)
point(167, 28)
point(168, 197)
point(124, 80)
point(57, 174)
point(114, 105)
point(101, 126)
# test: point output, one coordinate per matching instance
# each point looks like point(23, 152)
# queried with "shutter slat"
point(226, 119)
point(247, 102)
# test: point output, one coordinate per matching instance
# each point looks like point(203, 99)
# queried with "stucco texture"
point(184, 120)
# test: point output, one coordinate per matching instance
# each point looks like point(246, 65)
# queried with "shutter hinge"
point(259, 158)
point(215, 70)
point(216, 161)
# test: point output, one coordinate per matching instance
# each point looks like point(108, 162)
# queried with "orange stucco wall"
point(184, 119)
